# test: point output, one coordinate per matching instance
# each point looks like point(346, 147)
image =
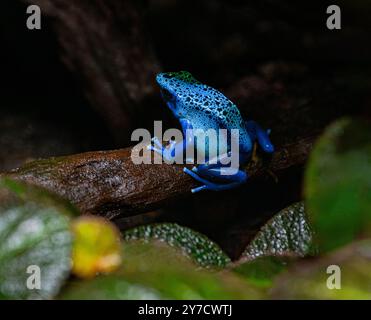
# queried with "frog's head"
point(175, 88)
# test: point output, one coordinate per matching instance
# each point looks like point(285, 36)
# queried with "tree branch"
point(108, 183)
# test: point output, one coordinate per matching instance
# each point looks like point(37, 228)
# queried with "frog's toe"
point(216, 186)
point(190, 172)
point(157, 142)
point(153, 148)
point(195, 176)
point(198, 189)
point(268, 147)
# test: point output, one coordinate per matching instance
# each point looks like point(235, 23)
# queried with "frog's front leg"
point(169, 152)
point(216, 177)
point(174, 148)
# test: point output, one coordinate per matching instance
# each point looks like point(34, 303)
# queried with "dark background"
point(275, 59)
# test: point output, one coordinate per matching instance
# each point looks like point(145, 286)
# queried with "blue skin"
point(198, 106)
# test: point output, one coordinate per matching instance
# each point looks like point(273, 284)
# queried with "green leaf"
point(34, 231)
point(338, 184)
point(193, 244)
point(348, 269)
point(157, 271)
point(262, 271)
point(109, 287)
point(286, 234)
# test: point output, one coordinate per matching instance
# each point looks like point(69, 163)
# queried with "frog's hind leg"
point(226, 181)
point(262, 136)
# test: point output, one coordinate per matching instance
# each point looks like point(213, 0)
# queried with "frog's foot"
point(157, 147)
point(262, 136)
point(167, 153)
point(230, 181)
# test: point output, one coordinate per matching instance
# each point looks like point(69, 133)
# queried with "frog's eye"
point(167, 95)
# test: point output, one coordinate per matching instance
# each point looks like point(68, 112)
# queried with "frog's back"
point(205, 107)
point(213, 110)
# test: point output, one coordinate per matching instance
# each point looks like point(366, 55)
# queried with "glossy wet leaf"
point(338, 184)
point(157, 271)
point(35, 237)
point(195, 245)
point(343, 274)
point(96, 248)
point(286, 234)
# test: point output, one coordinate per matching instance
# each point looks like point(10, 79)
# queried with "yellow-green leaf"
point(96, 248)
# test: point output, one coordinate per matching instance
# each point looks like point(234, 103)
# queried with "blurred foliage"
point(34, 231)
point(262, 270)
point(155, 270)
point(309, 280)
point(338, 184)
point(97, 247)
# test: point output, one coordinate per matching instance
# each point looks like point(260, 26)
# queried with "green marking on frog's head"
point(172, 79)
point(176, 83)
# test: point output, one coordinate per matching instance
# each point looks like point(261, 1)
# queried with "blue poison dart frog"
point(198, 106)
